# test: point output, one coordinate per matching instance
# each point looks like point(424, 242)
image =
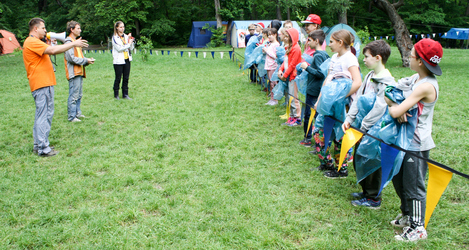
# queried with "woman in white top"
point(122, 45)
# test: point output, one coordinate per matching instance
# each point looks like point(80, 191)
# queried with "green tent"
point(357, 43)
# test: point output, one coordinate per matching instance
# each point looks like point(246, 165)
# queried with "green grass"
point(197, 160)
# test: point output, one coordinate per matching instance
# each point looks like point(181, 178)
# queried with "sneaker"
point(350, 160)
point(81, 116)
point(324, 167)
point(75, 120)
point(369, 203)
point(288, 122)
point(305, 143)
point(284, 117)
point(35, 151)
point(412, 234)
point(334, 174)
point(51, 153)
point(268, 103)
point(358, 195)
point(314, 152)
point(127, 97)
point(274, 102)
point(295, 123)
point(401, 221)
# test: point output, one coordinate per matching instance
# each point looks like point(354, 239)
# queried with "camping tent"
point(457, 33)
point(340, 26)
point(200, 37)
point(8, 42)
point(239, 30)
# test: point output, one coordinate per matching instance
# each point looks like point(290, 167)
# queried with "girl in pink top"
point(270, 61)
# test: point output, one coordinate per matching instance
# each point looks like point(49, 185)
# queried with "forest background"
point(168, 22)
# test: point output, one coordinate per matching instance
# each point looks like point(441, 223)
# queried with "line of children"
point(409, 183)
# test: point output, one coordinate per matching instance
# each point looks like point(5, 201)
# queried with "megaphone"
point(59, 36)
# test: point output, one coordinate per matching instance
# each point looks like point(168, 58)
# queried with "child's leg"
point(414, 172)
point(297, 109)
point(337, 148)
point(310, 101)
point(291, 94)
point(324, 157)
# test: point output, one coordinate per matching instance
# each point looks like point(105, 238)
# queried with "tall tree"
point(340, 7)
point(404, 43)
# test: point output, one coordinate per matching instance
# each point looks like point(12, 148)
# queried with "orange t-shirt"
point(38, 65)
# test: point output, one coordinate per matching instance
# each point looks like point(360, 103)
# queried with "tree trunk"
point(404, 43)
point(343, 17)
point(137, 28)
point(288, 13)
point(217, 13)
point(228, 32)
point(279, 13)
point(467, 9)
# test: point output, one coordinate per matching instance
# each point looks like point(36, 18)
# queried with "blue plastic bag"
point(302, 75)
point(332, 103)
point(279, 90)
point(249, 55)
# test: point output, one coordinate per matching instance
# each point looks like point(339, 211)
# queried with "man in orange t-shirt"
point(42, 80)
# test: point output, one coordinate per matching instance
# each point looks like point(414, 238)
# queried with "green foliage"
point(364, 35)
point(144, 44)
point(216, 40)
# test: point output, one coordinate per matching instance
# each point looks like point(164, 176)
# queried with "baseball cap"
point(260, 24)
point(431, 53)
point(313, 18)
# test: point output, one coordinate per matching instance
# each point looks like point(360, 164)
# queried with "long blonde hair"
point(288, 43)
point(345, 36)
point(117, 25)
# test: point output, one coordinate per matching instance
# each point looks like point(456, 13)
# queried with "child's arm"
point(293, 59)
point(356, 78)
point(377, 111)
point(424, 92)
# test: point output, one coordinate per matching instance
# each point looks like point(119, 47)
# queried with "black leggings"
point(120, 69)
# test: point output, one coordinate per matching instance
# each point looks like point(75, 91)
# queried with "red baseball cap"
point(260, 24)
point(431, 53)
point(313, 18)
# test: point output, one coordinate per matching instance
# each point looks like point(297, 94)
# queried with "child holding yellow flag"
point(409, 183)
point(374, 84)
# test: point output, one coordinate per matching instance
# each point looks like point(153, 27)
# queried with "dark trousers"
point(122, 69)
point(310, 101)
point(409, 184)
point(372, 183)
point(252, 73)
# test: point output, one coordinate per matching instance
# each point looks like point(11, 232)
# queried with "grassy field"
point(196, 160)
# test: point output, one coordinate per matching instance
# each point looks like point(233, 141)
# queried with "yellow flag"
point(438, 180)
point(311, 117)
point(350, 138)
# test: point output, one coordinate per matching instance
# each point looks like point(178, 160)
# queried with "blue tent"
point(357, 43)
point(200, 37)
point(457, 33)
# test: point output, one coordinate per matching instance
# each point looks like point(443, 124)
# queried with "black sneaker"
point(334, 174)
point(324, 167)
point(51, 153)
